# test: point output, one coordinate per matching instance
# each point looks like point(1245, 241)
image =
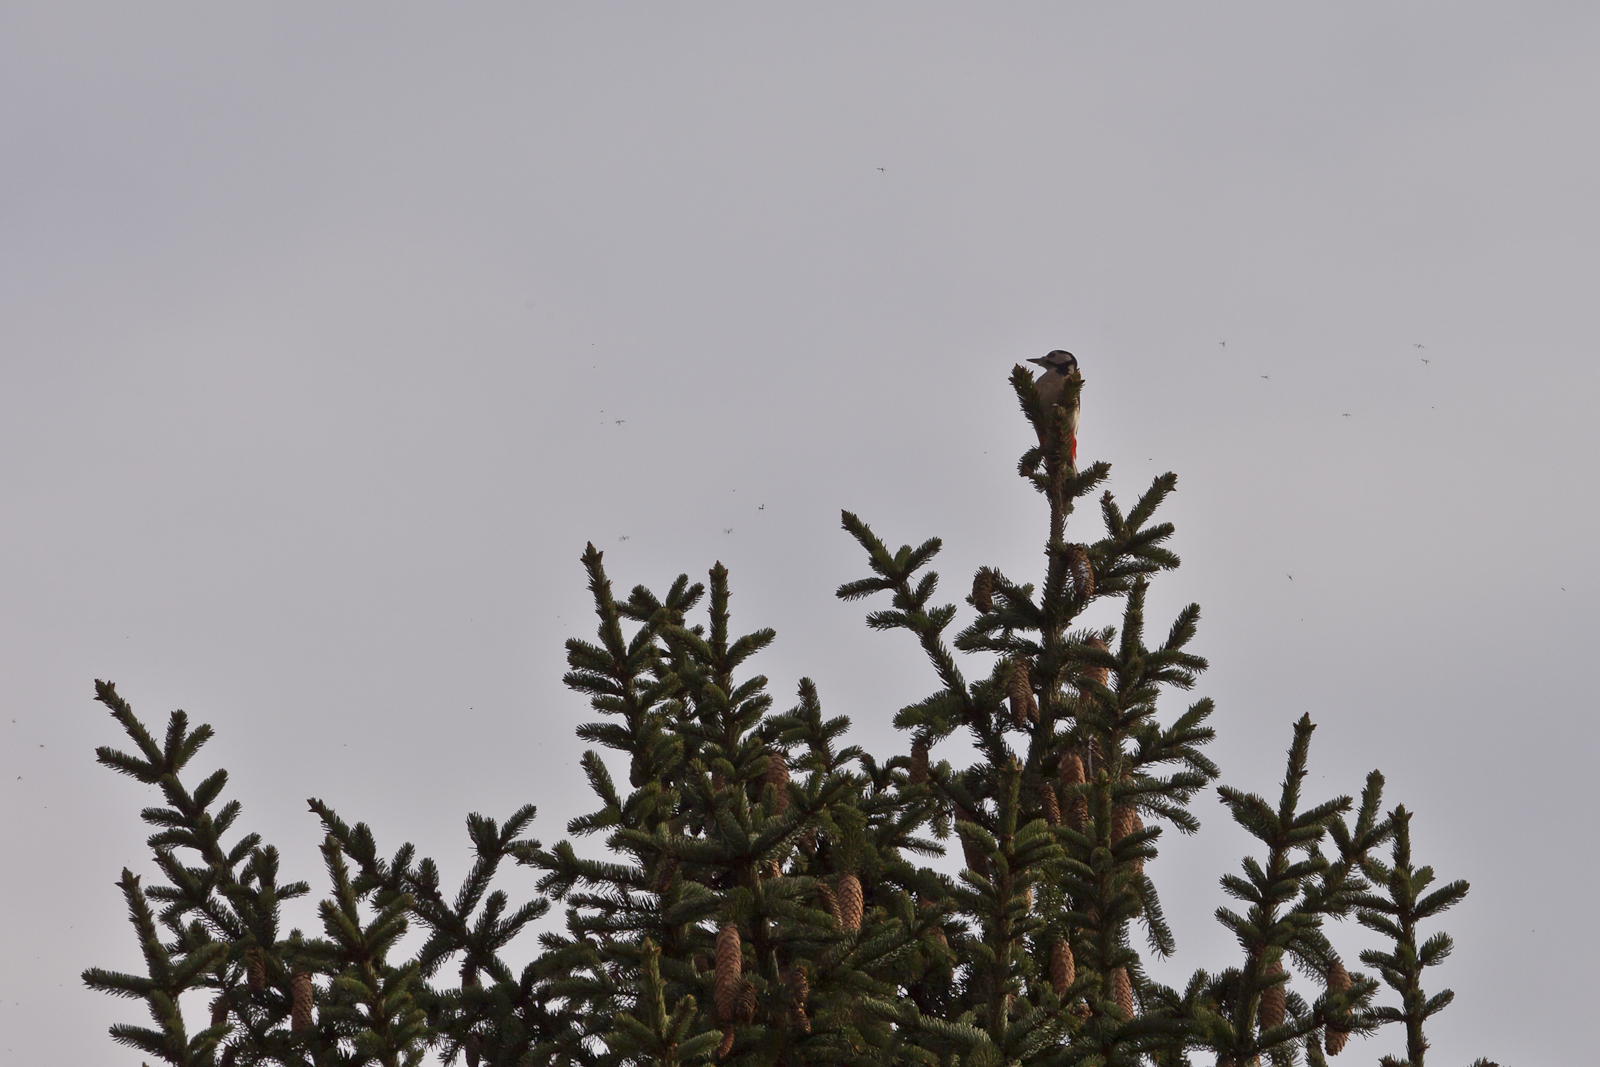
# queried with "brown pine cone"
point(977, 861)
point(850, 902)
point(1336, 1036)
point(1049, 804)
point(1273, 999)
point(933, 933)
point(973, 854)
point(1023, 708)
point(229, 1054)
point(1063, 968)
point(1082, 573)
point(255, 970)
point(666, 871)
point(799, 983)
point(919, 763)
point(808, 841)
point(830, 902)
point(1122, 991)
point(747, 1001)
point(777, 776)
point(1121, 822)
point(983, 590)
point(300, 1016)
point(730, 966)
point(219, 1010)
point(1077, 806)
point(472, 1045)
point(799, 1019)
point(1125, 820)
point(727, 1042)
point(1097, 674)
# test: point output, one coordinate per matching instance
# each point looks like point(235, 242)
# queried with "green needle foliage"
point(763, 893)
point(1395, 914)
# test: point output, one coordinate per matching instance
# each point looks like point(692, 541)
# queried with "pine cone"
point(1336, 1036)
point(1049, 804)
point(1125, 820)
point(850, 902)
point(983, 590)
point(777, 776)
point(229, 1054)
point(730, 965)
point(1121, 822)
point(1078, 805)
point(771, 869)
point(1063, 968)
point(1082, 573)
point(830, 903)
point(977, 860)
point(1023, 708)
point(666, 871)
point(1097, 674)
point(799, 995)
point(1122, 991)
point(808, 841)
point(300, 1016)
point(799, 985)
point(472, 1045)
point(1273, 999)
point(727, 1042)
point(932, 933)
point(919, 763)
point(255, 970)
point(747, 1001)
point(219, 1010)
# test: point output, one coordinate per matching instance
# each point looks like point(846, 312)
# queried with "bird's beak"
point(1041, 361)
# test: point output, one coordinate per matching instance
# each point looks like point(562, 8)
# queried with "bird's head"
point(1061, 361)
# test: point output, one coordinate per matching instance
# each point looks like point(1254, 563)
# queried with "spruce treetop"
point(752, 889)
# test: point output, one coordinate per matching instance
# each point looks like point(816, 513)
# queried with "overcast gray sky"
point(328, 337)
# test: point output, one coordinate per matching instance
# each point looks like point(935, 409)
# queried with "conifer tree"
point(1072, 757)
point(763, 894)
point(766, 898)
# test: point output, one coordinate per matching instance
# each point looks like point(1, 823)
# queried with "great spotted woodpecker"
point(1059, 367)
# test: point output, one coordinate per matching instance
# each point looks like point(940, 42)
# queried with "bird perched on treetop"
point(1059, 367)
